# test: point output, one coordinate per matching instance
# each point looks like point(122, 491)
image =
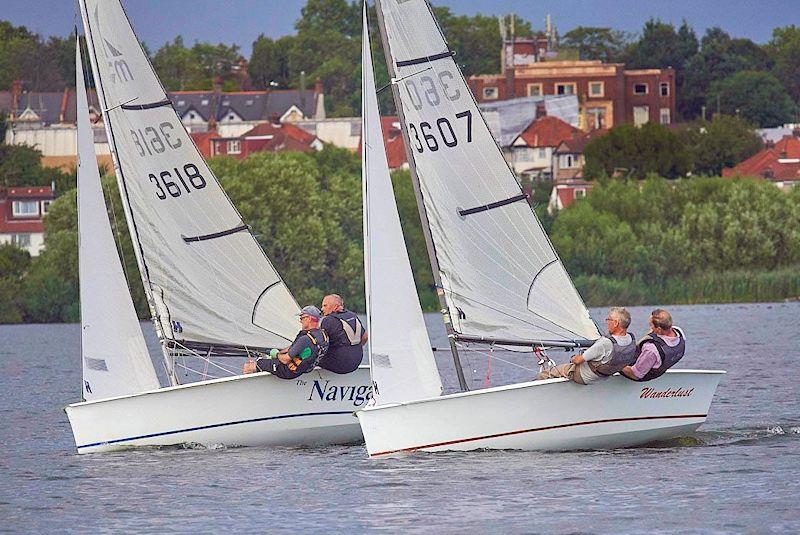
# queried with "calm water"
point(739, 474)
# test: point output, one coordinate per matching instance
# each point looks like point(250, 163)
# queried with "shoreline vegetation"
point(630, 242)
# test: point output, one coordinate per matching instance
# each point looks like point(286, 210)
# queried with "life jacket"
point(669, 355)
point(319, 346)
point(347, 331)
point(621, 356)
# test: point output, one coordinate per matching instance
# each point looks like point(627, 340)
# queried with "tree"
point(177, 68)
point(20, 165)
point(593, 43)
point(719, 57)
point(757, 96)
point(14, 263)
point(638, 152)
point(661, 46)
point(269, 62)
point(784, 51)
point(723, 142)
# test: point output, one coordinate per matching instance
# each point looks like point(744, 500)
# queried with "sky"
point(242, 21)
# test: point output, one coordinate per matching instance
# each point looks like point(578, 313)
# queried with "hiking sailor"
point(605, 357)
point(346, 333)
point(659, 350)
point(305, 352)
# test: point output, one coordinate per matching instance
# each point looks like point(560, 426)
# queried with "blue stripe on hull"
point(212, 426)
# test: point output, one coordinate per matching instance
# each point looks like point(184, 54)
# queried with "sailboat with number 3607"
point(499, 279)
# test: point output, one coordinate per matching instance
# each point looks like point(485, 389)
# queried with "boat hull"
point(250, 410)
point(549, 415)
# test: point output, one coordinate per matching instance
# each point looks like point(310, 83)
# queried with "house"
point(567, 191)
point(22, 210)
point(778, 162)
point(569, 159)
point(393, 141)
point(608, 93)
point(531, 153)
point(265, 137)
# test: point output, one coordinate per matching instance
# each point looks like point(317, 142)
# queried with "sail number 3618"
point(427, 136)
point(175, 184)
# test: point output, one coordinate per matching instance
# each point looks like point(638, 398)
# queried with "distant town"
point(568, 111)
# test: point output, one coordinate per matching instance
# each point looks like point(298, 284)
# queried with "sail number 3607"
point(175, 184)
point(428, 136)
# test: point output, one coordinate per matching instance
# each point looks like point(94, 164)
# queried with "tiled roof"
point(21, 226)
point(575, 144)
point(27, 192)
point(548, 131)
point(289, 130)
point(778, 162)
point(203, 141)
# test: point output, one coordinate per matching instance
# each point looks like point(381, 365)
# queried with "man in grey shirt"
point(608, 355)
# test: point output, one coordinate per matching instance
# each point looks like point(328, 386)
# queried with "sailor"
point(659, 350)
point(347, 335)
point(305, 352)
point(605, 357)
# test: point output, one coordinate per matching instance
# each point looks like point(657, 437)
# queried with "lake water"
point(739, 473)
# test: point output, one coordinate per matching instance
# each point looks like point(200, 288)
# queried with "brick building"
point(778, 162)
point(22, 211)
point(608, 93)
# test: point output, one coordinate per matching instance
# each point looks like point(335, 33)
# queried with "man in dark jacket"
point(346, 334)
point(305, 352)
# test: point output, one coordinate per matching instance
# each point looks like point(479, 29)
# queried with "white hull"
point(251, 410)
point(554, 414)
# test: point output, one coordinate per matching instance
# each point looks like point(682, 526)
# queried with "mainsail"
point(113, 351)
point(207, 280)
point(401, 359)
point(501, 277)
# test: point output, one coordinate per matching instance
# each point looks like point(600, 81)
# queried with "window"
point(641, 115)
point(45, 206)
point(249, 102)
point(192, 116)
point(231, 117)
point(664, 89)
point(25, 208)
point(234, 146)
point(639, 89)
point(204, 102)
point(596, 89)
point(181, 103)
point(21, 240)
point(523, 155)
point(580, 193)
point(535, 90)
point(568, 161)
point(565, 89)
point(664, 117)
point(490, 93)
point(542, 154)
point(595, 118)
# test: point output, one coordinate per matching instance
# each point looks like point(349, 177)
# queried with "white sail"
point(113, 351)
point(500, 275)
point(401, 359)
point(206, 277)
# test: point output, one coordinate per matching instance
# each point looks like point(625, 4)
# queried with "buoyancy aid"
point(621, 356)
point(308, 359)
point(347, 331)
point(670, 355)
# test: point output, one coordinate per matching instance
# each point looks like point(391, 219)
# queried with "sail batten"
point(205, 275)
point(500, 276)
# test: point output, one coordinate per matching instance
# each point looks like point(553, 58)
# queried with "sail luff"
point(423, 214)
point(114, 356)
point(402, 367)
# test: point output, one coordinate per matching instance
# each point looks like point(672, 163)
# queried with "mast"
point(451, 334)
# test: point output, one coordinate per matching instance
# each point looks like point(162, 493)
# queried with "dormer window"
point(25, 208)
point(490, 93)
point(204, 102)
point(181, 103)
point(45, 207)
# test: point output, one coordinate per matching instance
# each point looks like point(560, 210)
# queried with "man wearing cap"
point(308, 347)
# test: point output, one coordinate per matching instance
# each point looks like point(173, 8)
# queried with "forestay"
point(113, 351)
point(501, 276)
point(401, 359)
point(206, 277)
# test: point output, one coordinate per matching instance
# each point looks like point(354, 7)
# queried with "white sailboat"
point(212, 292)
point(500, 282)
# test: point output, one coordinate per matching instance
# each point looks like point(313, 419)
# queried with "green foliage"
point(269, 62)
point(784, 50)
point(723, 142)
point(592, 43)
point(44, 66)
point(661, 46)
point(14, 263)
point(182, 68)
point(20, 165)
point(637, 152)
point(648, 232)
point(756, 96)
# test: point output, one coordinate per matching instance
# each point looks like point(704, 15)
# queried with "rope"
point(487, 381)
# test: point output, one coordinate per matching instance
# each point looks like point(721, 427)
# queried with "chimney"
point(769, 144)
point(62, 113)
point(796, 132)
point(318, 89)
point(276, 120)
point(16, 92)
point(541, 111)
point(215, 102)
point(510, 75)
